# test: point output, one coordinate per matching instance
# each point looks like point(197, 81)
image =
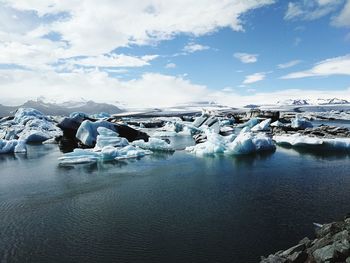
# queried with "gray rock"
point(324, 254)
point(292, 250)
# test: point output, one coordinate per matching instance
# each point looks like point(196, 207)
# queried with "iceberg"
point(80, 156)
point(262, 126)
point(300, 123)
point(12, 146)
point(251, 123)
point(87, 132)
point(277, 124)
point(154, 144)
point(107, 137)
point(244, 143)
point(131, 152)
point(30, 125)
point(298, 140)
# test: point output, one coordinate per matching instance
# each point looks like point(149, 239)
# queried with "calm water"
point(165, 208)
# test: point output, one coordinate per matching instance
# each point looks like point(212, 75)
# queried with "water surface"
point(166, 207)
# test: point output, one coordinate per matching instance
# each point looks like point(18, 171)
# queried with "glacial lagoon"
point(166, 207)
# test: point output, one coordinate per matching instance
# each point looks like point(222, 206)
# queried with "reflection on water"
point(172, 207)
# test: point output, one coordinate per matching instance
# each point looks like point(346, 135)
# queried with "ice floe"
point(153, 144)
point(244, 143)
point(297, 140)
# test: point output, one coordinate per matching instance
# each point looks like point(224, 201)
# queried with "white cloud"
point(193, 47)
point(150, 90)
point(113, 60)
point(254, 78)
point(170, 65)
point(246, 58)
point(343, 19)
point(332, 66)
point(98, 27)
point(311, 9)
point(289, 64)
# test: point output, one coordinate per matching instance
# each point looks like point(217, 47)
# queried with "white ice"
point(300, 123)
point(251, 123)
point(154, 144)
point(262, 126)
point(107, 137)
point(30, 125)
point(244, 143)
point(307, 141)
point(277, 124)
point(87, 132)
point(12, 146)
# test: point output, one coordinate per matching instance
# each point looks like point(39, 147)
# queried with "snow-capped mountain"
point(52, 108)
point(303, 102)
point(331, 101)
point(294, 102)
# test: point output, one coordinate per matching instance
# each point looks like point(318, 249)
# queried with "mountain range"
point(51, 108)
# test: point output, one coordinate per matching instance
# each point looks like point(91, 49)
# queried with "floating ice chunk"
point(87, 132)
point(262, 126)
point(337, 143)
point(300, 123)
point(79, 156)
point(244, 143)
point(131, 152)
point(307, 141)
point(200, 120)
point(277, 124)
point(12, 146)
point(251, 123)
point(153, 144)
point(214, 144)
point(172, 126)
point(108, 137)
point(263, 143)
point(297, 140)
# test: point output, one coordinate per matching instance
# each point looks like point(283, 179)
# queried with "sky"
point(159, 53)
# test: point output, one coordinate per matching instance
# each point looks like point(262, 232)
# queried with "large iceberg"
point(80, 156)
point(87, 132)
point(244, 143)
point(109, 146)
point(29, 125)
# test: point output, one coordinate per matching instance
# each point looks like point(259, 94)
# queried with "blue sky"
point(162, 53)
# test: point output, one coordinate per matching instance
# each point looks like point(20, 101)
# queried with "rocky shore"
point(332, 244)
